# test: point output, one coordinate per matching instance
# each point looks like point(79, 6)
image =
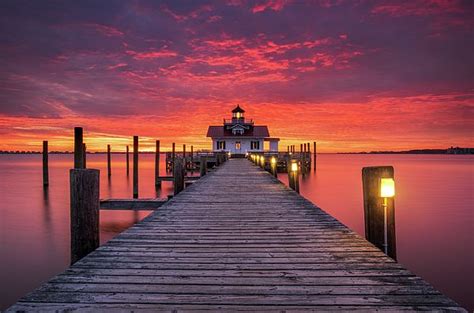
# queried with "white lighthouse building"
point(239, 135)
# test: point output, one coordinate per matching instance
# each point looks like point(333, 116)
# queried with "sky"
point(352, 75)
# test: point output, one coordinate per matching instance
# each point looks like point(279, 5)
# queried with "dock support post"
point(157, 164)
point(109, 162)
point(173, 156)
point(202, 166)
point(135, 167)
point(78, 148)
point(374, 209)
point(314, 155)
point(45, 164)
point(293, 175)
point(273, 166)
point(178, 176)
point(184, 158)
point(127, 160)
point(85, 204)
point(84, 155)
point(192, 159)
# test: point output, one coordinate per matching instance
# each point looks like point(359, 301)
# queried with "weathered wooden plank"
point(182, 307)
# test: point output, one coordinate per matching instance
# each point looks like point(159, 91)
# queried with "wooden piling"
point(84, 206)
point(374, 211)
point(84, 155)
point(293, 176)
point(173, 156)
point(290, 178)
point(157, 164)
point(184, 157)
point(109, 162)
point(192, 158)
point(273, 166)
point(78, 148)
point(202, 166)
point(127, 159)
point(178, 175)
point(135, 167)
point(45, 164)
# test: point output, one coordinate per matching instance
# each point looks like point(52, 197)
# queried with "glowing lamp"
point(387, 188)
point(273, 160)
point(294, 167)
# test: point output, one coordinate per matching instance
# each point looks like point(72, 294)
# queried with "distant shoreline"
point(452, 150)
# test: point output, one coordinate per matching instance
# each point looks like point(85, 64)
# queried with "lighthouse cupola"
point(238, 114)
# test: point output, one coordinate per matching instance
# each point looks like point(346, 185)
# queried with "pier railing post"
point(109, 162)
point(45, 164)
point(293, 175)
point(273, 166)
point(135, 167)
point(178, 176)
point(202, 166)
point(314, 155)
point(192, 159)
point(374, 209)
point(173, 156)
point(127, 159)
point(84, 194)
point(184, 157)
point(84, 155)
point(78, 148)
point(157, 164)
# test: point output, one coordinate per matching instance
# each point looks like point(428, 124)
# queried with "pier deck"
point(236, 240)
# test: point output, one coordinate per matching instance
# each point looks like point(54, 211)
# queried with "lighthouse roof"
point(238, 109)
point(255, 132)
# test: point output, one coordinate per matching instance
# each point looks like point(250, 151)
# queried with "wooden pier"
point(236, 240)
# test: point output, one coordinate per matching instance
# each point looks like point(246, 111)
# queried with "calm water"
point(434, 216)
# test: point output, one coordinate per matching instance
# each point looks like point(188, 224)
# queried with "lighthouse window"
point(255, 145)
point(221, 145)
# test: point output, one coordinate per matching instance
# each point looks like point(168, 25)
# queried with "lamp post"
point(387, 190)
point(293, 176)
point(273, 166)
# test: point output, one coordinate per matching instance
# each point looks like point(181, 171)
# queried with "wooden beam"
point(131, 204)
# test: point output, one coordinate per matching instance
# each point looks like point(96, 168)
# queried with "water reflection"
point(432, 235)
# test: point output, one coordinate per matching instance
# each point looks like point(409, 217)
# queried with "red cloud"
point(151, 54)
point(275, 5)
point(418, 7)
point(108, 31)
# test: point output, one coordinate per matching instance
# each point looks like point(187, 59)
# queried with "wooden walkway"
point(236, 240)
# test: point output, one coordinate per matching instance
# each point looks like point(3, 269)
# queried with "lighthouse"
point(239, 135)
